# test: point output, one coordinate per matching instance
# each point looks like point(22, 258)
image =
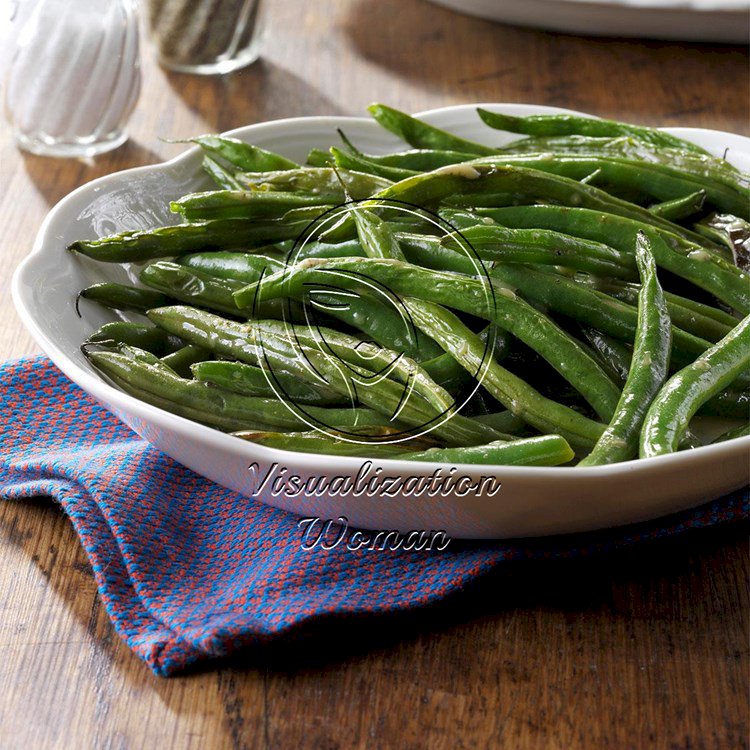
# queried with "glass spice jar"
point(73, 76)
point(205, 36)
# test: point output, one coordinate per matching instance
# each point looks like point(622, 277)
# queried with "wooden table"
point(645, 649)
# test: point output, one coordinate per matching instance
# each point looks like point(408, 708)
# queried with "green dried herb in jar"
point(205, 36)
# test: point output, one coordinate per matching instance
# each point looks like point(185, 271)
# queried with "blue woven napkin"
point(190, 571)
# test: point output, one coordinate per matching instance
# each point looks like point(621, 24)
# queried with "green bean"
point(680, 208)
point(613, 355)
point(192, 285)
point(700, 165)
point(648, 370)
point(703, 167)
point(248, 267)
point(246, 204)
point(591, 307)
point(469, 295)
point(249, 380)
point(239, 341)
point(143, 336)
point(316, 181)
point(511, 391)
point(375, 236)
point(277, 250)
point(266, 341)
point(165, 242)
point(224, 409)
point(451, 253)
point(552, 125)
point(205, 417)
point(144, 357)
point(503, 421)
point(636, 179)
point(231, 339)
point(421, 135)
point(682, 395)
point(409, 242)
point(497, 243)
point(245, 267)
point(448, 373)
point(421, 160)
point(576, 301)
point(451, 428)
point(181, 360)
point(242, 155)
point(359, 162)
point(316, 442)
point(484, 182)
point(318, 158)
point(579, 144)
point(431, 399)
point(626, 180)
point(378, 317)
point(206, 290)
point(689, 318)
point(495, 303)
point(339, 226)
point(222, 177)
point(734, 432)
point(703, 312)
point(123, 297)
point(378, 241)
point(672, 253)
point(407, 163)
point(127, 372)
point(428, 252)
point(545, 450)
point(463, 219)
point(361, 355)
point(703, 309)
point(314, 249)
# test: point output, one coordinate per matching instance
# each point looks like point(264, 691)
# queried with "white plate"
point(692, 20)
point(532, 501)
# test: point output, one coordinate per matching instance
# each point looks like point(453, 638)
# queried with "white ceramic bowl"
point(532, 501)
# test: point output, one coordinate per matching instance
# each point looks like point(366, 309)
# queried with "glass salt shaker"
point(74, 76)
point(205, 36)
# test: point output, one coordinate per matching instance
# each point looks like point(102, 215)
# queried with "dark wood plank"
point(644, 649)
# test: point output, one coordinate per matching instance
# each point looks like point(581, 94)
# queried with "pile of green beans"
point(576, 294)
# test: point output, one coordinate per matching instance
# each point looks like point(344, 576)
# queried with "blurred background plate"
point(692, 20)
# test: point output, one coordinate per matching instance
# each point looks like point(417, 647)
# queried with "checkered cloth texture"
point(190, 571)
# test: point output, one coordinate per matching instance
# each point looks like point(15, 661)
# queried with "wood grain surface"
point(644, 649)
